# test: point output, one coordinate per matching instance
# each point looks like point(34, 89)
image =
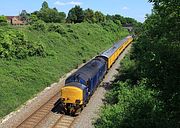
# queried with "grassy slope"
point(20, 80)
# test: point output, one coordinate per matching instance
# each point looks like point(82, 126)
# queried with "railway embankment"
point(23, 79)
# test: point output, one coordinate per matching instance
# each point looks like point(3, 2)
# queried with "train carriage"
point(112, 54)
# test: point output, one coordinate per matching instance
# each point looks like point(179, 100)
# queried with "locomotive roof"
point(90, 69)
point(76, 84)
point(110, 51)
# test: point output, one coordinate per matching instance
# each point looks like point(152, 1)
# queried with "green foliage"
point(123, 20)
point(14, 45)
point(118, 23)
point(21, 79)
point(38, 25)
point(134, 107)
point(138, 28)
point(128, 70)
point(78, 15)
point(49, 15)
point(157, 52)
point(24, 15)
point(149, 95)
point(45, 5)
point(89, 16)
point(129, 104)
point(130, 21)
point(33, 18)
point(111, 26)
point(75, 15)
point(3, 21)
point(57, 28)
point(99, 16)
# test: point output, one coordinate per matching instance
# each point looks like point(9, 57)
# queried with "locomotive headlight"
point(62, 99)
point(78, 101)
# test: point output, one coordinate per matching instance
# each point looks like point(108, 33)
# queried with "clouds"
point(67, 3)
point(125, 8)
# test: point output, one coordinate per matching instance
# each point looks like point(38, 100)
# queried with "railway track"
point(44, 115)
point(64, 122)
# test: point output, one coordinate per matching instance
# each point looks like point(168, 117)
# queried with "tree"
point(38, 25)
point(120, 18)
point(89, 16)
point(99, 16)
point(130, 21)
point(49, 15)
point(157, 51)
point(45, 5)
point(75, 15)
point(124, 20)
point(33, 18)
point(156, 60)
point(55, 9)
point(24, 15)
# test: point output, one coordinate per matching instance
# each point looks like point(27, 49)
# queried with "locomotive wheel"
point(68, 112)
point(72, 113)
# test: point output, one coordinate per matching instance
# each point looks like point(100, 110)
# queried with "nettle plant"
point(13, 44)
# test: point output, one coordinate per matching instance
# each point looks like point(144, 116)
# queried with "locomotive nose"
point(71, 94)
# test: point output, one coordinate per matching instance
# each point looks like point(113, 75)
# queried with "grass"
point(20, 80)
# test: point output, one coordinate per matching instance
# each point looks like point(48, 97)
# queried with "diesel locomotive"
point(80, 86)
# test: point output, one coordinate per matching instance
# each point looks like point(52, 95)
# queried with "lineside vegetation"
point(31, 59)
point(146, 93)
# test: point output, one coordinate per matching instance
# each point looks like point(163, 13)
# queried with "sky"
point(129, 8)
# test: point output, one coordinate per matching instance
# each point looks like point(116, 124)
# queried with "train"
point(80, 86)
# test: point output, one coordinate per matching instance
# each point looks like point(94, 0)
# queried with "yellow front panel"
point(71, 94)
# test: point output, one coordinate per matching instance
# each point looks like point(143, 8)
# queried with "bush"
point(14, 45)
point(3, 21)
point(38, 25)
point(57, 28)
point(128, 70)
point(134, 107)
point(110, 26)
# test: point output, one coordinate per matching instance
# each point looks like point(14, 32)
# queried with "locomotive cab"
point(73, 96)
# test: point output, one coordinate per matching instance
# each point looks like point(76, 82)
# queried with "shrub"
point(110, 26)
point(57, 28)
point(3, 21)
point(134, 107)
point(38, 25)
point(128, 70)
point(14, 45)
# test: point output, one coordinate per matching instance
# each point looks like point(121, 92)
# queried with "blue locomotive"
point(80, 86)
